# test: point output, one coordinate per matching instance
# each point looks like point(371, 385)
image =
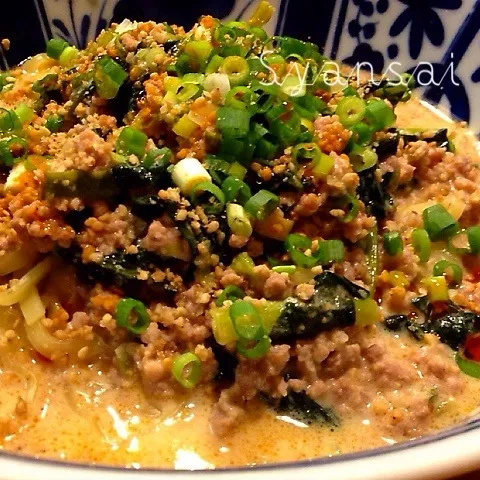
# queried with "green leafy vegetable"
point(330, 307)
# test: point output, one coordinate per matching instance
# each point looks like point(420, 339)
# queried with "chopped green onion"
point(25, 113)
point(237, 70)
point(295, 245)
point(246, 320)
point(189, 172)
point(453, 271)
point(232, 121)
point(259, 32)
point(9, 121)
point(393, 243)
point(217, 168)
point(55, 47)
point(362, 158)
point(459, 244)
point(158, 157)
point(379, 114)
point(238, 220)
point(243, 264)
point(294, 86)
point(234, 189)
point(306, 151)
point(199, 51)
point(366, 312)
point(54, 123)
point(439, 224)
point(185, 127)
point(322, 165)
point(124, 310)
point(437, 289)
point(237, 170)
point(214, 64)
point(262, 204)
point(290, 269)
point(362, 133)
point(131, 142)
point(473, 234)
point(265, 149)
point(109, 77)
point(330, 251)
point(231, 292)
point(350, 111)
point(240, 97)
point(262, 14)
point(213, 192)
point(467, 366)
point(172, 84)
point(352, 209)
point(421, 244)
point(349, 92)
point(187, 370)
point(188, 91)
point(68, 57)
point(255, 351)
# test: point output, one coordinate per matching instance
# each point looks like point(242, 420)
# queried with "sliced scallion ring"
point(256, 350)
point(246, 321)
point(216, 198)
point(123, 312)
point(421, 244)
point(231, 292)
point(236, 189)
point(439, 224)
point(453, 271)
point(295, 245)
point(262, 204)
point(473, 235)
point(350, 110)
point(187, 370)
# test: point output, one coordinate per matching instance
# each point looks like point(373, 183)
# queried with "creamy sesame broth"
point(198, 252)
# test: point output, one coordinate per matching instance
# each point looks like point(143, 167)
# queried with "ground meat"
point(80, 149)
point(342, 179)
point(332, 136)
point(166, 241)
point(106, 233)
point(273, 285)
point(37, 219)
point(309, 203)
point(251, 377)
point(361, 367)
point(228, 277)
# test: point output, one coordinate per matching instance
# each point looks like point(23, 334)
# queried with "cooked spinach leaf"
point(130, 177)
point(373, 193)
point(330, 307)
point(397, 323)
point(300, 407)
point(450, 323)
point(227, 362)
point(122, 270)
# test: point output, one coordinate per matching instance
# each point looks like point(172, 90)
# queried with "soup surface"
point(210, 256)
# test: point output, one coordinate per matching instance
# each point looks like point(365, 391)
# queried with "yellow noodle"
point(32, 307)
point(49, 345)
point(13, 261)
point(22, 287)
